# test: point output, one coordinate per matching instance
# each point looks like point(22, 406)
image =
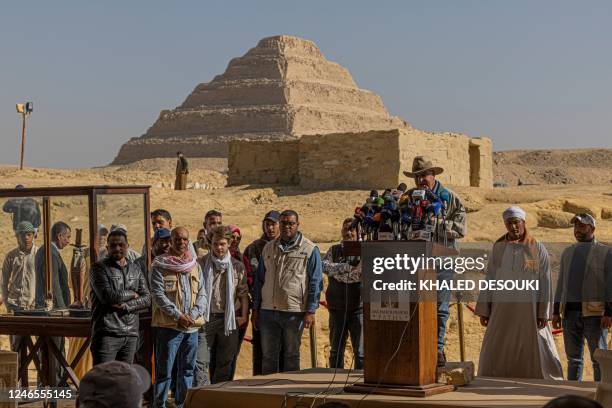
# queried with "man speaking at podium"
point(424, 174)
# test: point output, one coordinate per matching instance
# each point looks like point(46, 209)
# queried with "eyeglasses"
point(288, 223)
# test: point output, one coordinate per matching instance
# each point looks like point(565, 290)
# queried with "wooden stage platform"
point(301, 388)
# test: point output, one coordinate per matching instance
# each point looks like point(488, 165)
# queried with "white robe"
point(513, 346)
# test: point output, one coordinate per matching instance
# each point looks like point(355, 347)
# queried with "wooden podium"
point(412, 371)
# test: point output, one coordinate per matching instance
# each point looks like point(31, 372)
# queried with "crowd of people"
point(203, 291)
point(202, 294)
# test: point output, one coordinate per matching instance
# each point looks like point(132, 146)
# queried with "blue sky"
point(526, 74)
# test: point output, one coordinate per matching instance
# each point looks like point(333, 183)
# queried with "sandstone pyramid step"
point(284, 87)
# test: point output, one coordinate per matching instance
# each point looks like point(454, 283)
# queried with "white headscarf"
point(514, 212)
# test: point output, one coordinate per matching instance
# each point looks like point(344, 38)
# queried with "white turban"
point(514, 212)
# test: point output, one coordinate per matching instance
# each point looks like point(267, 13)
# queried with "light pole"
point(25, 109)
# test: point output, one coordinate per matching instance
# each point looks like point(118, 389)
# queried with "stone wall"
point(349, 160)
point(453, 152)
point(263, 162)
point(482, 174)
point(447, 150)
point(366, 160)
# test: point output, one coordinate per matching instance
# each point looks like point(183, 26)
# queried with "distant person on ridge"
point(182, 170)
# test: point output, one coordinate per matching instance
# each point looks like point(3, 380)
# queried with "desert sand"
point(549, 207)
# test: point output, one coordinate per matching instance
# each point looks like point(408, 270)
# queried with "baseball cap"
point(116, 227)
point(161, 233)
point(583, 218)
point(273, 216)
point(114, 384)
point(24, 227)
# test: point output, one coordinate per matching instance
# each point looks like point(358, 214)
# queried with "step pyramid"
point(281, 89)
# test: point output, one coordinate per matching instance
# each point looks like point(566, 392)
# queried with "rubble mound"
point(579, 166)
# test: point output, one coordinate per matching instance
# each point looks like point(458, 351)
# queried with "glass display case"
point(66, 228)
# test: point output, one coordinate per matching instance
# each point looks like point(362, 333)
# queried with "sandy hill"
point(579, 166)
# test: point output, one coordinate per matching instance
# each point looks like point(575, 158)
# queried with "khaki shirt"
point(19, 278)
point(219, 288)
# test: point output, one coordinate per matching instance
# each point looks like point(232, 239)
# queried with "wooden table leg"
point(30, 355)
point(75, 361)
point(45, 375)
point(44, 354)
point(22, 349)
point(64, 364)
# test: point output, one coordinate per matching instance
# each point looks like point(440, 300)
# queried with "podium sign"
point(399, 326)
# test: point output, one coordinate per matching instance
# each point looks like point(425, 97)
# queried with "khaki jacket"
point(173, 291)
point(286, 284)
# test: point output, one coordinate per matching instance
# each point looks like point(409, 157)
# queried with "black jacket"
point(113, 285)
point(59, 279)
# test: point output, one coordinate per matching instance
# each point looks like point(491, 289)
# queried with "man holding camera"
point(452, 228)
point(343, 297)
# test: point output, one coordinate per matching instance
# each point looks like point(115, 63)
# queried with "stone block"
point(582, 206)
point(456, 373)
point(554, 219)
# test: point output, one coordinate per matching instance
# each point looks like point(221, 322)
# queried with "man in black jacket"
point(343, 297)
point(271, 230)
point(119, 291)
point(60, 239)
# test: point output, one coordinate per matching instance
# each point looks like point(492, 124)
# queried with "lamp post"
point(24, 109)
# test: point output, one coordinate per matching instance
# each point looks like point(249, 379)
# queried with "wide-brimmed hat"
point(421, 164)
